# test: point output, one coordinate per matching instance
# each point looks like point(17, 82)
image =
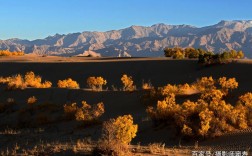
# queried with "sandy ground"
point(159, 71)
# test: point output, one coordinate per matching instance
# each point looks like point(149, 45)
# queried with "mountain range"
point(141, 41)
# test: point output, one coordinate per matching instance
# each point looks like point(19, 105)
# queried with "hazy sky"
point(31, 19)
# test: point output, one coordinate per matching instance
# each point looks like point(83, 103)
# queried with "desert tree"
point(68, 83)
point(96, 83)
point(121, 129)
point(128, 83)
point(227, 84)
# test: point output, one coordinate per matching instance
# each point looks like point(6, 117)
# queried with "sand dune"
point(159, 71)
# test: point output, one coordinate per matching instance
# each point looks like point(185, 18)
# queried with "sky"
point(36, 19)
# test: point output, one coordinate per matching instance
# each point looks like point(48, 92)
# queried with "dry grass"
point(157, 148)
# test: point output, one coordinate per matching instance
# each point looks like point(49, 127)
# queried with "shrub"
point(169, 89)
point(227, 84)
point(84, 113)
point(116, 135)
point(246, 100)
point(96, 83)
point(16, 82)
point(147, 85)
point(8, 53)
point(31, 80)
point(31, 100)
point(125, 130)
point(210, 115)
point(68, 83)
point(70, 110)
point(205, 83)
point(245, 104)
point(127, 83)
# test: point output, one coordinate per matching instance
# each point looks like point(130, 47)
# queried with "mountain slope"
point(142, 41)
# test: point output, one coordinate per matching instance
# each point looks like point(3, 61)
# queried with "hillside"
point(141, 40)
point(159, 71)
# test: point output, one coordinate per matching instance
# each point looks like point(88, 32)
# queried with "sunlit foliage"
point(116, 135)
point(29, 80)
point(227, 84)
point(147, 85)
point(86, 112)
point(8, 53)
point(96, 83)
point(210, 115)
point(68, 83)
point(121, 129)
point(31, 100)
point(128, 83)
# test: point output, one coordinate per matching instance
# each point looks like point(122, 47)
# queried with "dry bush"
point(116, 135)
point(8, 53)
point(245, 104)
point(205, 83)
point(46, 84)
point(96, 83)
point(169, 89)
point(31, 100)
point(227, 84)
point(113, 148)
point(31, 80)
point(128, 83)
point(210, 115)
point(68, 83)
point(147, 85)
point(4, 79)
point(86, 113)
point(70, 110)
point(16, 82)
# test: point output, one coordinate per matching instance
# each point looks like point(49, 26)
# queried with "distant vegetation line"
point(203, 56)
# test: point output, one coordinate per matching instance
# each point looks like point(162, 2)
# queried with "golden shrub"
point(210, 115)
point(121, 129)
point(31, 100)
point(98, 110)
point(46, 84)
point(168, 89)
point(8, 53)
point(70, 110)
point(68, 83)
point(246, 100)
point(96, 83)
point(32, 80)
point(84, 113)
point(16, 82)
point(127, 83)
point(5, 79)
point(205, 119)
point(212, 95)
point(186, 130)
point(188, 108)
point(147, 85)
point(29, 80)
point(227, 84)
point(205, 83)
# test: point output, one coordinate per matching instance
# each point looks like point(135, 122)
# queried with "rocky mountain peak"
point(142, 41)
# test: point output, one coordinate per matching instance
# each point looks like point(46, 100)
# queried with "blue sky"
point(32, 19)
